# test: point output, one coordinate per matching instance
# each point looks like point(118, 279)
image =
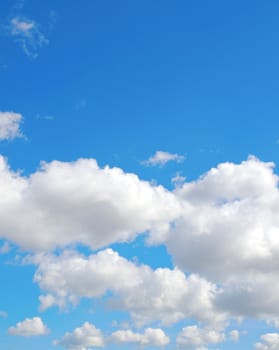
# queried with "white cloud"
point(222, 228)
point(10, 125)
point(29, 327)
point(150, 337)
point(27, 33)
point(193, 337)
point(161, 158)
point(65, 203)
point(85, 337)
point(229, 234)
point(270, 341)
point(148, 295)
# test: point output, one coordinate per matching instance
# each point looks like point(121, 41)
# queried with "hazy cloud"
point(27, 34)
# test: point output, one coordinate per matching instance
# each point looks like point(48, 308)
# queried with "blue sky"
point(138, 179)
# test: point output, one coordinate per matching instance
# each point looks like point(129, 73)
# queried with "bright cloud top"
point(85, 337)
point(270, 341)
point(88, 336)
point(30, 327)
point(147, 295)
point(10, 125)
point(161, 158)
point(27, 33)
point(150, 337)
point(193, 337)
point(221, 230)
point(66, 203)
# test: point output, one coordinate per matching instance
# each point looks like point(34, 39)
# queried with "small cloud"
point(178, 180)
point(161, 158)
point(10, 125)
point(44, 117)
point(85, 337)
point(30, 327)
point(5, 248)
point(234, 335)
point(150, 337)
point(3, 314)
point(27, 34)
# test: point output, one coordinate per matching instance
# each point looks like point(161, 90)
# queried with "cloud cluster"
point(221, 230)
point(148, 295)
point(82, 338)
point(29, 327)
point(194, 337)
point(161, 158)
point(270, 341)
point(66, 203)
point(229, 234)
point(88, 336)
point(10, 125)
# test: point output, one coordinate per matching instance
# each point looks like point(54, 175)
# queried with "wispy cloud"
point(161, 158)
point(27, 34)
point(3, 314)
point(44, 117)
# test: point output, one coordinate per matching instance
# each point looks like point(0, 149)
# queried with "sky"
point(138, 180)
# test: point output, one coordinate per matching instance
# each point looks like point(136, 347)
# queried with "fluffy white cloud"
point(161, 158)
point(148, 295)
point(65, 203)
point(27, 33)
point(229, 233)
point(270, 341)
point(222, 228)
point(10, 125)
point(193, 337)
point(29, 327)
point(150, 337)
point(85, 337)
point(230, 225)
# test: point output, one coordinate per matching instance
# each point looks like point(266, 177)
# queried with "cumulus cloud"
point(65, 203)
point(148, 295)
point(194, 337)
point(161, 158)
point(150, 337)
point(10, 125)
point(30, 327)
point(221, 230)
point(270, 341)
point(27, 34)
point(82, 338)
point(229, 233)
